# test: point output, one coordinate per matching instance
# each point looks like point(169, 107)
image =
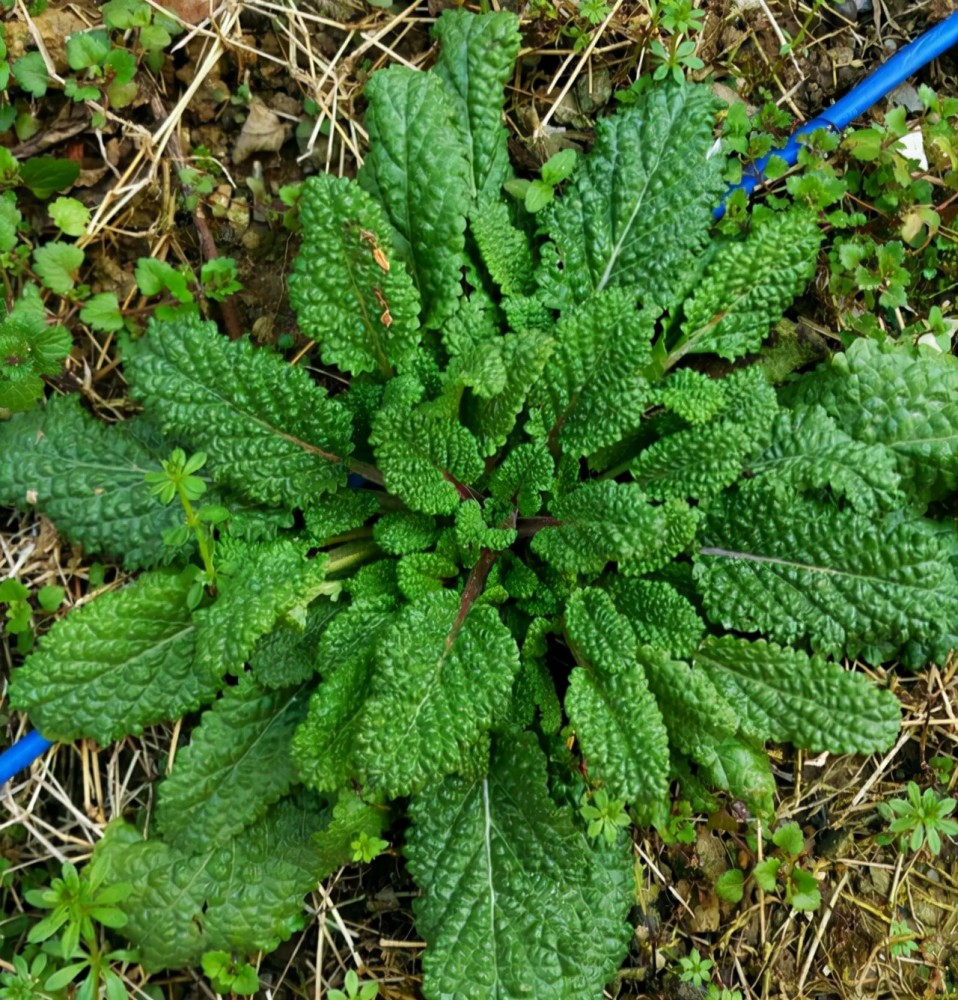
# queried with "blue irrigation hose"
point(856, 102)
point(22, 754)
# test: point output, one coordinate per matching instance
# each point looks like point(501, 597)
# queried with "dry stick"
point(820, 931)
point(582, 61)
point(154, 145)
point(208, 251)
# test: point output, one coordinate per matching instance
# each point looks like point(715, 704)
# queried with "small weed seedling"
point(695, 969)
point(918, 821)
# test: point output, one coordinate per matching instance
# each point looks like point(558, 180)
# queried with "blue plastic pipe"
point(22, 754)
point(858, 100)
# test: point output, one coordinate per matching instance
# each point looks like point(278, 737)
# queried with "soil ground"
point(258, 96)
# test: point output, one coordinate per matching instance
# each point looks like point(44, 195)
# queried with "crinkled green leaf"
point(350, 289)
point(640, 204)
point(421, 573)
point(807, 571)
point(263, 583)
point(115, 665)
point(524, 356)
point(236, 765)
point(809, 450)
point(417, 169)
point(701, 460)
point(421, 455)
point(524, 475)
point(271, 433)
point(515, 904)
point(438, 685)
point(745, 772)
point(787, 696)
point(658, 613)
point(405, 531)
point(242, 897)
point(287, 655)
point(595, 388)
point(325, 744)
point(504, 249)
point(899, 398)
point(88, 478)
point(748, 285)
point(352, 816)
point(626, 749)
point(598, 523)
point(697, 717)
point(476, 59)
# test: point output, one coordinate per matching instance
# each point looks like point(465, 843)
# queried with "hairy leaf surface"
point(439, 683)
point(616, 719)
point(894, 396)
point(786, 695)
point(87, 477)
point(422, 454)
point(808, 450)
point(748, 285)
point(242, 897)
point(271, 433)
point(804, 570)
point(237, 764)
point(351, 291)
point(417, 169)
point(119, 663)
point(639, 207)
point(515, 904)
point(476, 60)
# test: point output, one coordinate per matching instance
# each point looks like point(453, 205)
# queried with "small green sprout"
point(920, 819)
point(535, 195)
point(695, 969)
point(228, 974)
point(366, 848)
point(605, 817)
point(353, 991)
point(903, 940)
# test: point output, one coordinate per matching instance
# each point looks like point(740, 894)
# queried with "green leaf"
point(639, 207)
point(417, 169)
point(790, 839)
point(765, 874)
point(273, 434)
point(264, 581)
point(787, 696)
point(351, 817)
point(476, 60)
point(30, 71)
point(56, 265)
point(10, 219)
point(88, 478)
point(87, 49)
point(804, 570)
point(90, 679)
point(504, 249)
point(627, 751)
point(730, 885)
point(559, 166)
point(698, 461)
point(235, 767)
point(242, 897)
point(153, 277)
point(809, 450)
point(599, 522)
point(43, 175)
point(748, 285)
point(524, 356)
point(287, 655)
point(515, 903)
point(897, 397)
point(102, 312)
point(595, 390)
point(69, 216)
point(422, 454)
point(349, 287)
point(439, 684)
point(659, 614)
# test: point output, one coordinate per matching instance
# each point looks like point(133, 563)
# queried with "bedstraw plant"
point(573, 532)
